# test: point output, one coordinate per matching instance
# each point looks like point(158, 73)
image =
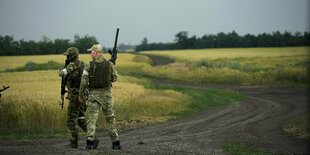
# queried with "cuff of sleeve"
point(65, 71)
point(85, 73)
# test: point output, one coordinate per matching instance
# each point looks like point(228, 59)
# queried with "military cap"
point(96, 47)
point(72, 51)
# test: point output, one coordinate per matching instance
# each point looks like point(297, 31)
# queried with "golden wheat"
point(32, 101)
point(246, 66)
point(124, 60)
point(196, 55)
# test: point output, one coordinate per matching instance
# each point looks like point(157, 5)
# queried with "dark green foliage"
point(234, 65)
point(32, 66)
point(218, 64)
point(251, 68)
point(8, 46)
point(229, 40)
point(203, 62)
point(305, 64)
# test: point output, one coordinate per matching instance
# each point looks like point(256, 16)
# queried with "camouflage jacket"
point(73, 72)
point(85, 79)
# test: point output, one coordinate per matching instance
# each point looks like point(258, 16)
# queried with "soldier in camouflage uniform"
point(99, 75)
point(76, 109)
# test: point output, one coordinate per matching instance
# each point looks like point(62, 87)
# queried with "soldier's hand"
point(81, 99)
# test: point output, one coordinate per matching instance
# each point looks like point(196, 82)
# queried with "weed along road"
point(257, 122)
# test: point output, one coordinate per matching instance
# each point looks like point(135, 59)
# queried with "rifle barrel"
point(115, 42)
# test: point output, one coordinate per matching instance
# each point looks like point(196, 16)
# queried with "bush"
point(218, 64)
point(32, 66)
point(293, 74)
point(202, 62)
point(250, 68)
point(234, 65)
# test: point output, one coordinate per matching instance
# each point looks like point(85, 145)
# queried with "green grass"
point(238, 148)
point(33, 134)
point(201, 99)
point(299, 126)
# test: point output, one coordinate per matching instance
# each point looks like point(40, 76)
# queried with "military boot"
point(116, 145)
point(89, 144)
point(96, 143)
point(74, 143)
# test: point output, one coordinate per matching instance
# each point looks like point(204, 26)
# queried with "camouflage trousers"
point(101, 99)
point(76, 117)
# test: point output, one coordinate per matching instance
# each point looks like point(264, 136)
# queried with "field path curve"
point(257, 122)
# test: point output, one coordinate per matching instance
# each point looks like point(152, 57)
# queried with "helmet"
point(72, 53)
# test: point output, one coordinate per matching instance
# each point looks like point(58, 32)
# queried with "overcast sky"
point(157, 20)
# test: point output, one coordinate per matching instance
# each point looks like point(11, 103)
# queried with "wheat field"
point(32, 101)
point(231, 53)
point(288, 66)
point(123, 60)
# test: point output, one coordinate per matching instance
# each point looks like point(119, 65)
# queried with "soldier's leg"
point(108, 111)
point(81, 119)
point(72, 124)
point(93, 112)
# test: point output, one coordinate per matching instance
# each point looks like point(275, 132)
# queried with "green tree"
point(84, 43)
point(61, 45)
point(46, 45)
point(181, 39)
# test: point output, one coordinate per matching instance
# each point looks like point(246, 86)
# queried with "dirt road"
point(258, 122)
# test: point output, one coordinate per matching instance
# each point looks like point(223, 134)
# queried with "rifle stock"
point(63, 86)
point(4, 88)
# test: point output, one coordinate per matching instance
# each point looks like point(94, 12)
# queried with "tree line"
point(229, 40)
point(9, 46)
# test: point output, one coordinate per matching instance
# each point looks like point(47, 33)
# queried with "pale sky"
point(157, 20)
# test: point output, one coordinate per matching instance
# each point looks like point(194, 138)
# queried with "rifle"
point(4, 88)
point(114, 51)
point(63, 86)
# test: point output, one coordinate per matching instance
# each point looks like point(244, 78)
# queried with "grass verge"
point(299, 126)
point(238, 148)
point(33, 134)
point(201, 99)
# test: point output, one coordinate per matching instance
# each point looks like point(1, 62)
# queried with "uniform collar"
point(99, 58)
point(76, 61)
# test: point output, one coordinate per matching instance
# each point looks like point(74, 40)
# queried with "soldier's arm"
point(67, 70)
point(84, 80)
point(62, 72)
point(114, 73)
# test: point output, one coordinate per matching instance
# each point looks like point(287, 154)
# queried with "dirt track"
point(257, 122)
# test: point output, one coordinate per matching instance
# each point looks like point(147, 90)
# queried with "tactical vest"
point(100, 74)
point(74, 78)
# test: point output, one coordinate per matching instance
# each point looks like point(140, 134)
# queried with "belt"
point(74, 91)
point(105, 88)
